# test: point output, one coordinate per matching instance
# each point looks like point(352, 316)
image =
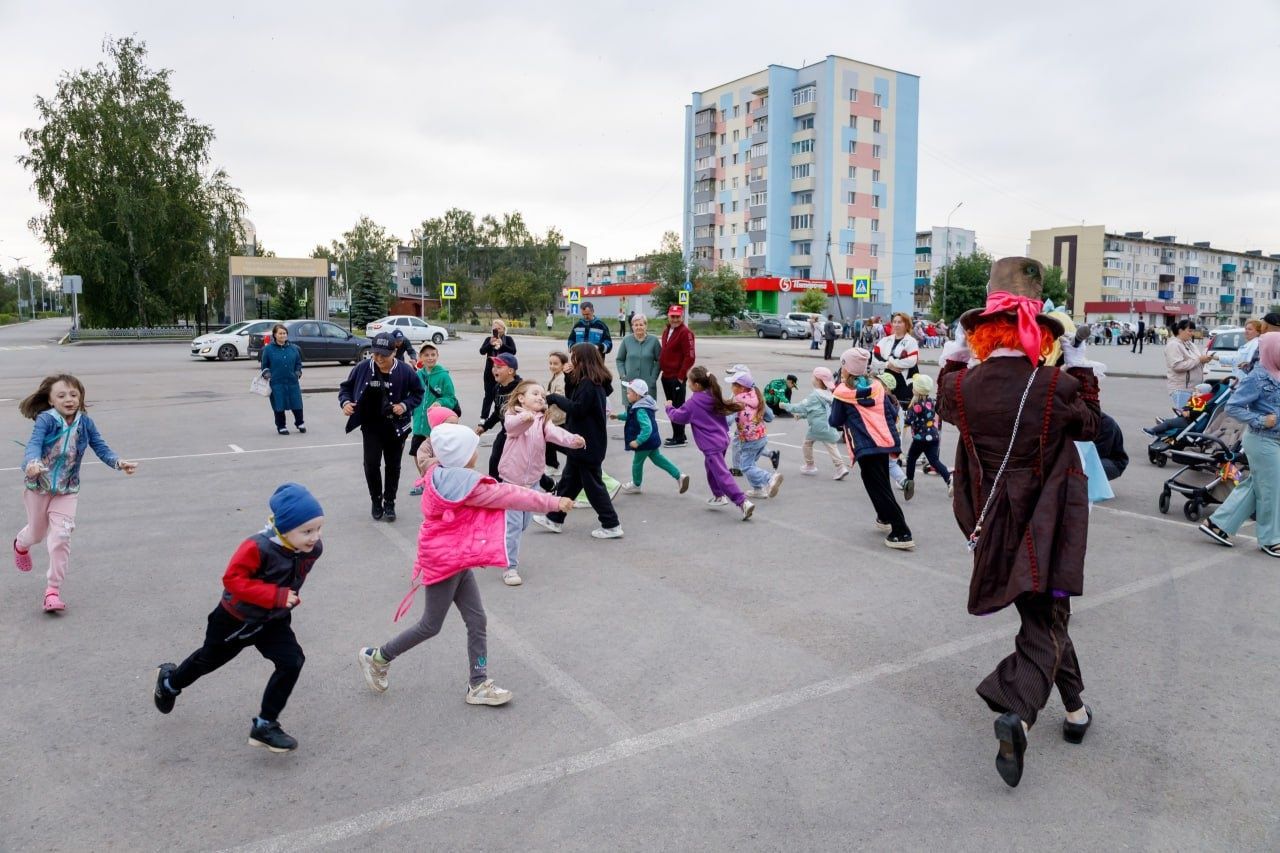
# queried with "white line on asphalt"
point(228, 452)
point(1184, 525)
point(237, 448)
point(483, 792)
point(587, 704)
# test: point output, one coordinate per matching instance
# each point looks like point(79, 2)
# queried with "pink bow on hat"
point(1026, 310)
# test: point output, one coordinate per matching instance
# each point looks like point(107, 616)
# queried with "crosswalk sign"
point(573, 309)
point(684, 297)
point(688, 285)
point(448, 290)
point(575, 296)
point(862, 287)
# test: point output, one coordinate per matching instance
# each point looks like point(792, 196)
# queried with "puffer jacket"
point(260, 576)
point(816, 409)
point(524, 454)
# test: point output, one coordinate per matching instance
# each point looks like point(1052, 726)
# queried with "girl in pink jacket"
point(529, 431)
point(463, 521)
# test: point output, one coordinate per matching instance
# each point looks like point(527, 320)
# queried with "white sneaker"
point(951, 488)
point(840, 474)
point(543, 521)
point(757, 493)
point(630, 489)
point(375, 674)
point(684, 483)
point(775, 483)
point(607, 532)
point(718, 502)
point(747, 508)
point(488, 693)
point(511, 578)
point(809, 469)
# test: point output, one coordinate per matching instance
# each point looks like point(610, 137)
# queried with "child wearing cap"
point(752, 437)
point(640, 435)
point(438, 389)
point(922, 419)
point(705, 412)
point(503, 369)
point(816, 409)
point(463, 526)
point(260, 591)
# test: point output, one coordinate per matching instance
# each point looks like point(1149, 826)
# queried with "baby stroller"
point(1177, 439)
point(1212, 463)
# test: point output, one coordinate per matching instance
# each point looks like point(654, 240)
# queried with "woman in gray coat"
point(638, 355)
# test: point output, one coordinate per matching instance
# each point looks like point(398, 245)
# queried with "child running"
point(259, 593)
point(438, 389)
point(529, 433)
point(705, 412)
point(816, 409)
point(752, 437)
point(463, 520)
point(51, 465)
point(922, 419)
point(897, 473)
point(641, 437)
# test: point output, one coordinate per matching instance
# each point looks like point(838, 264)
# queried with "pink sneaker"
point(53, 602)
point(21, 559)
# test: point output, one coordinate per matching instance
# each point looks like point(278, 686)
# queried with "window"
point(721, 162)
point(875, 225)
point(735, 159)
point(852, 224)
point(308, 330)
point(875, 250)
point(875, 199)
point(721, 230)
point(804, 146)
point(413, 321)
point(720, 206)
point(875, 175)
point(801, 272)
point(804, 96)
point(875, 128)
point(760, 125)
point(853, 94)
point(760, 149)
point(849, 248)
point(759, 198)
point(734, 209)
point(722, 115)
point(875, 150)
point(853, 122)
point(721, 251)
point(702, 232)
point(853, 146)
point(733, 253)
point(702, 207)
point(848, 273)
point(722, 183)
point(878, 100)
point(803, 220)
point(804, 247)
point(702, 163)
point(757, 174)
point(804, 123)
point(801, 171)
point(757, 224)
point(802, 198)
point(722, 138)
point(735, 135)
point(851, 197)
point(733, 228)
point(757, 249)
point(329, 330)
point(735, 110)
point(853, 173)
point(735, 184)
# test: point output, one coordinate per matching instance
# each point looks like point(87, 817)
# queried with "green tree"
point(726, 298)
point(129, 204)
point(1055, 287)
point(286, 305)
point(966, 285)
point(368, 291)
point(513, 292)
point(812, 302)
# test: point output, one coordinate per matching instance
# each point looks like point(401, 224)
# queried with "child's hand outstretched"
point(127, 467)
point(566, 504)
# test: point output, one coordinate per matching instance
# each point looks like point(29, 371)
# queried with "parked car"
point(803, 319)
point(1226, 340)
point(411, 327)
point(319, 341)
point(231, 342)
point(780, 327)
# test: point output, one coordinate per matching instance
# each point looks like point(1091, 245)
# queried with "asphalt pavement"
point(702, 683)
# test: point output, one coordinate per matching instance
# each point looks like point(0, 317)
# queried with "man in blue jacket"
point(379, 397)
point(591, 330)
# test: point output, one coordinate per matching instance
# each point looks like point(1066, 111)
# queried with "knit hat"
point(824, 375)
point(508, 359)
point(743, 379)
point(888, 380)
point(454, 444)
point(293, 506)
point(922, 384)
point(438, 414)
point(1204, 388)
point(855, 361)
point(638, 385)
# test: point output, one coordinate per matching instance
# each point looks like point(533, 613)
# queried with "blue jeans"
point(745, 461)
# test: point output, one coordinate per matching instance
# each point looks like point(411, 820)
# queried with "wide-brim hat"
point(1022, 277)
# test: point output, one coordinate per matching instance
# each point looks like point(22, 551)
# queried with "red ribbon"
point(1026, 309)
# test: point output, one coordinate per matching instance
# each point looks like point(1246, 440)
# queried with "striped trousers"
point(1043, 657)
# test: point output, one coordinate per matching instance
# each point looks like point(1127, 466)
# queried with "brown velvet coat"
point(1036, 531)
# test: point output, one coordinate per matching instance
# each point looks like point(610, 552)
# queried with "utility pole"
point(19, 261)
point(946, 269)
point(830, 268)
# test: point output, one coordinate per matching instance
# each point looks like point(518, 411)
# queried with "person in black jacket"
point(830, 332)
point(585, 411)
point(1110, 444)
point(379, 396)
point(591, 330)
point(497, 343)
point(404, 347)
point(505, 379)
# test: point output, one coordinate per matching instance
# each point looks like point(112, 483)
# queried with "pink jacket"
point(524, 454)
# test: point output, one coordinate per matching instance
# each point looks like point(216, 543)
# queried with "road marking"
point(493, 789)
point(238, 449)
point(1181, 524)
point(586, 703)
point(21, 347)
point(228, 453)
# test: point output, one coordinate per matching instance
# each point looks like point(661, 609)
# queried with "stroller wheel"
point(1164, 502)
point(1192, 510)
point(1159, 461)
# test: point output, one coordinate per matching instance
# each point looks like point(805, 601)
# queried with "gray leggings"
point(462, 590)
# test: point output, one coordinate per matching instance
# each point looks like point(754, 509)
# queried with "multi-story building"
point(617, 272)
point(936, 248)
point(1160, 276)
point(574, 258)
point(806, 172)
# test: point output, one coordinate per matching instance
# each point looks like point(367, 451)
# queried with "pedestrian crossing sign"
point(573, 309)
point(684, 297)
point(448, 290)
point(575, 296)
point(862, 287)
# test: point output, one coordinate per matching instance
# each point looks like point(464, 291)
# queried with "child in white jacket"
point(816, 409)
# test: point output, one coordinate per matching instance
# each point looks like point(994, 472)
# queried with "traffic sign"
point(72, 284)
point(574, 310)
point(684, 297)
point(448, 290)
point(688, 285)
point(862, 287)
point(575, 296)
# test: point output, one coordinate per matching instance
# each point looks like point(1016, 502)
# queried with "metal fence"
point(177, 333)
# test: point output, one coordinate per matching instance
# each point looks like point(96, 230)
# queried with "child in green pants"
point(641, 437)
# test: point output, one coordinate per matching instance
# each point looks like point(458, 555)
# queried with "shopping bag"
point(260, 386)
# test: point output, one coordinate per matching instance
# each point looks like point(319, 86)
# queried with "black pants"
point(1137, 344)
point(490, 391)
point(930, 451)
point(1043, 658)
point(875, 479)
point(579, 475)
point(551, 460)
point(382, 447)
point(297, 418)
point(495, 454)
point(227, 637)
point(827, 346)
point(674, 390)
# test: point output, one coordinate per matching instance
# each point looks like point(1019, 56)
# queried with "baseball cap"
point(638, 385)
point(1272, 319)
point(824, 375)
point(736, 368)
point(675, 311)
point(508, 359)
point(743, 379)
point(384, 345)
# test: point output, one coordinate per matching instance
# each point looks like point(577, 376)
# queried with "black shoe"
point(282, 430)
point(300, 427)
point(1074, 732)
point(737, 472)
point(672, 442)
point(774, 457)
point(389, 511)
point(903, 542)
point(1013, 745)
point(376, 512)
point(165, 696)
point(1216, 533)
point(272, 737)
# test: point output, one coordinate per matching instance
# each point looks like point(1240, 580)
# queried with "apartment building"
point(806, 173)
point(935, 248)
point(1214, 285)
point(574, 258)
point(618, 272)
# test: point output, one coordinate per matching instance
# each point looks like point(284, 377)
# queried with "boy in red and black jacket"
point(260, 590)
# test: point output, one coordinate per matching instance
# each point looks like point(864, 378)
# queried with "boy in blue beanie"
point(260, 590)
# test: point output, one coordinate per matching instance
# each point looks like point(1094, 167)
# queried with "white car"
point(230, 343)
point(1224, 342)
point(411, 327)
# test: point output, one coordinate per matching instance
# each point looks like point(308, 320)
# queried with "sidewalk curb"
point(927, 363)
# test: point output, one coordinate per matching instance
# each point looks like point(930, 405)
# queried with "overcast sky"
point(1151, 116)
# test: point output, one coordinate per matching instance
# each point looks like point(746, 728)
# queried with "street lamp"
point(19, 261)
point(946, 269)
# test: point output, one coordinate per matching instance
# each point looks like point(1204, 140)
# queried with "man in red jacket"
point(674, 360)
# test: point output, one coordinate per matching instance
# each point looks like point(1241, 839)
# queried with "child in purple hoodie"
point(705, 413)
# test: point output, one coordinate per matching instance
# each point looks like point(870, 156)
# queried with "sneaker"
point(375, 674)
point(683, 480)
point(1216, 533)
point(607, 533)
point(272, 737)
point(908, 489)
point(376, 512)
point(951, 488)
point(747, 508)
point(718, 502)
point(163, 695)
point(282, 431)
point(511, 577)
point(389, 511)
point(757, 493)
point(300, 427)
point(809, 469)
point(53, 602)
point(841, 474)
point(21, 559)
point(671, 442)
point(488, 693)
point(882, 525)
point(1272, 550)
point(543, 521)
point(737, 472)
point(774, 458)
point(415, 492)
point(630, 489)
point(900, 543)
point(775, 483)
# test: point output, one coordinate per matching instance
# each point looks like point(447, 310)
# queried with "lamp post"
point(19, 261)
point(946, 269)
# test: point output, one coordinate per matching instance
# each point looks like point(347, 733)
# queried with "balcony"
point(1227, 298)
point(802, 184)
point(1165, 294)
point(1228, 267)
point(1246, 301)
point(801, 260)
point(922, 285)
point(1229, 275)
point(1191, 279)
point(801, 234)
point(924, 250)
point(1166, 278)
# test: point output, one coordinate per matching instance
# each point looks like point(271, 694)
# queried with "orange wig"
point(1001, 332)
